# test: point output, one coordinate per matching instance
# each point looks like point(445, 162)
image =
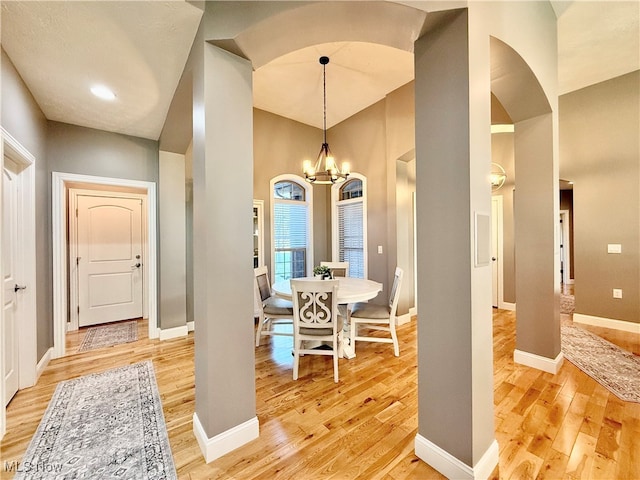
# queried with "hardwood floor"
point(547, 427)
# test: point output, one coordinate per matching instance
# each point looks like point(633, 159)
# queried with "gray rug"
point(614, 368)
point(102, 426)
point(567, 303)
point(109, 335)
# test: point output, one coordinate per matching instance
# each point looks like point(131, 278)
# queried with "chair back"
point(262, 285)
point(394, 294)
point(315, 304)
point(338, 269)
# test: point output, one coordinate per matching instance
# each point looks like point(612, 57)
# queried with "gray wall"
point(24, 120)
point(600, 153)
point(280, 146)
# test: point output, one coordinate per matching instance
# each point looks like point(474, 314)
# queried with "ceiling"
point(63, 48)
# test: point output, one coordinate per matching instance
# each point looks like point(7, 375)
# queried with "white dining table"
point(350, 290)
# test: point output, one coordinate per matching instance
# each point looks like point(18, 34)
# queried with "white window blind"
point(351, 237)
point(290, 239)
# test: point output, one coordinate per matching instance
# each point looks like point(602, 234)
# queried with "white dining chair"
point(272, 310)
point(338, 269)
point(376, 318)
point(316, 318)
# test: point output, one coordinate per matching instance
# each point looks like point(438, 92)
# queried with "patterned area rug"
point(109, 335)
point(106, 425)
point(614, 368)
point(567, 303)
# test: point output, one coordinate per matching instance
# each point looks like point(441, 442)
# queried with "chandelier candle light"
point(330, 173)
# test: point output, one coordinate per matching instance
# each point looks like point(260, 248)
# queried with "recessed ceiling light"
point(103, 92)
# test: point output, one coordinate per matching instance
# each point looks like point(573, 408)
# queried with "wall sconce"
point(498, 176)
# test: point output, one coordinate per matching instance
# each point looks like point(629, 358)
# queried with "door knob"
point(17, 287)
point(493, 258)
point(137, 265)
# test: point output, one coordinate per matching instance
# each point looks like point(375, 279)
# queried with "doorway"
point(106, 264)
point(62, 183)
point(497, 294)
point(19, 268)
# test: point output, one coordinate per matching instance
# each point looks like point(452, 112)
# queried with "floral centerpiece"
point(322, 271)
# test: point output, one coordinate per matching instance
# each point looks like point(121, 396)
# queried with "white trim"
point(402, 319)
point(539, 362)
point(44, 361)
point(27, 347)
point(174, 332)
point(335, 189)
point(223, 443)
point(58, 212)
point(503, 128)
point(259, 205)
point(191, 326)
point(507, 306)
point(413, 311)
point(308, 193)
point(450, 466)
point(607, 323)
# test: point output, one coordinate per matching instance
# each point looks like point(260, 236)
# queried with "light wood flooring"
point(552, 427)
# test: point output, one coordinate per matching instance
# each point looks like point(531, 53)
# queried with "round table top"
point(350, 290)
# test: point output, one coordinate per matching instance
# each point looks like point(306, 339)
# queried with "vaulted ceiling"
point(62, 48)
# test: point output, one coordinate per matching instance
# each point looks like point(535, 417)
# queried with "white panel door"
point(10, 247)
point(494, 251)
point(109, 259)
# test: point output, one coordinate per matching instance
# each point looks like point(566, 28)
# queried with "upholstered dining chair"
point(338, 269)
point(376, 318)
point(272, 310)
point(316, 318)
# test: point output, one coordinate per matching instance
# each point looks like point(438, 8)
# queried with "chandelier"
point(325, 171)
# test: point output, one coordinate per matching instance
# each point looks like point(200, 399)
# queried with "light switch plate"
point(617, 293)
point(380, 249)
point(614, 248)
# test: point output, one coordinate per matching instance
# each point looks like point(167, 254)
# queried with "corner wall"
point(600, 153)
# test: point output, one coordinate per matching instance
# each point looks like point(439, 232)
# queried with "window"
point(349, 224)
point(290, 227)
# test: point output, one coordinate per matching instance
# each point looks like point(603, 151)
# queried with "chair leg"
point(394, 337)
point(296, 357)
point(259, 330)
point(335, 363)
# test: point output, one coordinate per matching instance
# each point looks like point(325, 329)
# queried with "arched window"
point(349, 224)
point(291, 232)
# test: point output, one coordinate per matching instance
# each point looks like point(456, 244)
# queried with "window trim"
point(308, 195)
point(335, 192)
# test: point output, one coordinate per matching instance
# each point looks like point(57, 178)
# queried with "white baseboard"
point(450, 466)
point(413, 311)
point(42, 364)
point(507, 306)
point(191, 326)
point(227, 441)
point(175, 332)
point(402, 319)
point(607, 323)
point(536, 361)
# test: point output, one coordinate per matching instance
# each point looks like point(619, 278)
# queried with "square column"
point(453, 204)
point(225, 416)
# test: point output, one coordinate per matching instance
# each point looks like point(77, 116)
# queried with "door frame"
point(27, 342)
point(566, 247)
point(497, 228)
point(74, 193)
point(61, 182)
